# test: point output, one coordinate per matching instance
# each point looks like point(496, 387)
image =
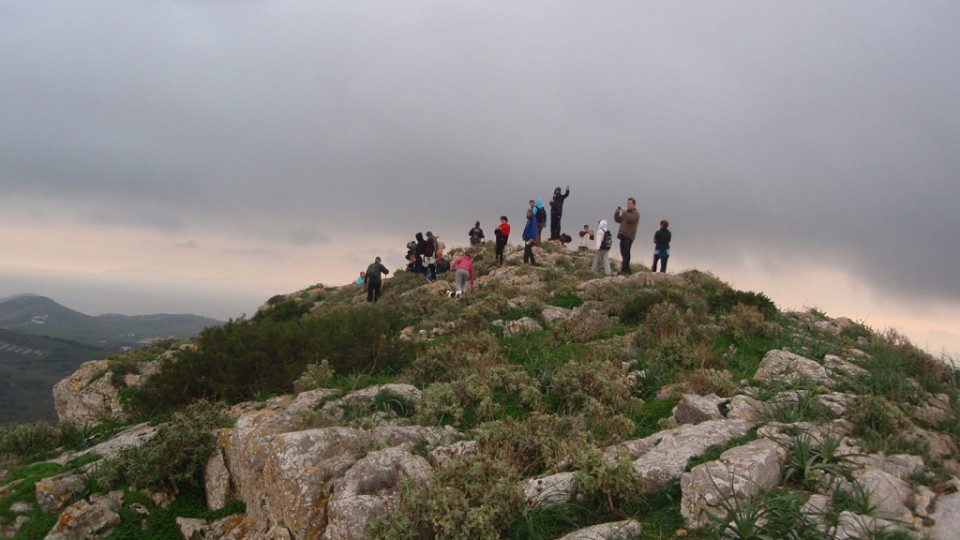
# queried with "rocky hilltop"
point(547, 403)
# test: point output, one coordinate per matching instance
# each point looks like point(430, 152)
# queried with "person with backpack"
point(430, 257)
point(556, 212)
point(476, 234)
point(661, 249)
point(502, 233)
point(529, 238)
point(541, 219)
point(628, 220)
point(374, 282)
point(603, 244)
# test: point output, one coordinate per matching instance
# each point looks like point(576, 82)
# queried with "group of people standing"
point(426, 253)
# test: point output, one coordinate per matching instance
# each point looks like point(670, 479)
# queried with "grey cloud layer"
point(818, 131)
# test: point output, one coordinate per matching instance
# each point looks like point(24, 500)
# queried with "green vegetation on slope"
point(542, 401)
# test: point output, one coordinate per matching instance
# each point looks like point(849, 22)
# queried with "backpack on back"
point(541, 215)
point(373, 272)
point(607, 241)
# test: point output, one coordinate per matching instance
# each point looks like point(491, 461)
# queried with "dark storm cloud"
point(810, 133)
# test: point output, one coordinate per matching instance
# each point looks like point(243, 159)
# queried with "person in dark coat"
point(374, 281)
point(529, 238)
point(476, 234)
point(661, 249)
point(556, 212)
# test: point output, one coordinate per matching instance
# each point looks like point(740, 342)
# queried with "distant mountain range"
point(42, 342)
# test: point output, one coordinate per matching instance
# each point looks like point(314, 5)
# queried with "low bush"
point(724, 300)
point(476, 498)
point(175, 456)
point(263, 356)
point(31, 439)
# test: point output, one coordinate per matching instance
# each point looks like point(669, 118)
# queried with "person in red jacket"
point(502, 232)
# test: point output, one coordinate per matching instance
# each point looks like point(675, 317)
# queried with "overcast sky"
point(201, 156)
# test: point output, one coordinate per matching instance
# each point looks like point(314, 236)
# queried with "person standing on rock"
point(541, 216)
point(604, 241)
point(503, 234)
point(373, 279)
point(529, 238)
point(661, 246)
point(628, 220)
point(556, 212)
point(430, 257)
point(476, 234)
point(586, 237)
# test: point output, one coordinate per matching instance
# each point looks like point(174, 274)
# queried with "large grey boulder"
point(946, 518)
point(618, 530)
point(888, 494)
point(740, 473)
point(791, 368)
point(286, 475)
point(657, 459)
point(55, 492)
point(693, 408)
point(83, 520)
point(132, 436)
point(670, 457)
point(88, 395)
point(523, 325)
point(368, 490)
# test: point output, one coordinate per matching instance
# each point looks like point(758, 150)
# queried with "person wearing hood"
point(529, 238)
point(604, 240)
point(556, 212)
point(541, 216)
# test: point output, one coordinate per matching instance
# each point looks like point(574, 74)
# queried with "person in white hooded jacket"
point(603, 242)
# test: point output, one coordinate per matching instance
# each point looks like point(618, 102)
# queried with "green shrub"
point(243, 359)
point(601, 483)
point(476, 498)
point(29, 439)
point(812, 462)
point(639, 306)
point(498, 392)
point(569, 301)
point(723, 301)
point(175, 455)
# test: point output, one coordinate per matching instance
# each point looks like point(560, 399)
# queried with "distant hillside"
point(30, 366)
point(42, 342)
point(40, 316)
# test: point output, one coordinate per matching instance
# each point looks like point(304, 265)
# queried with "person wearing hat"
point(374, 281)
